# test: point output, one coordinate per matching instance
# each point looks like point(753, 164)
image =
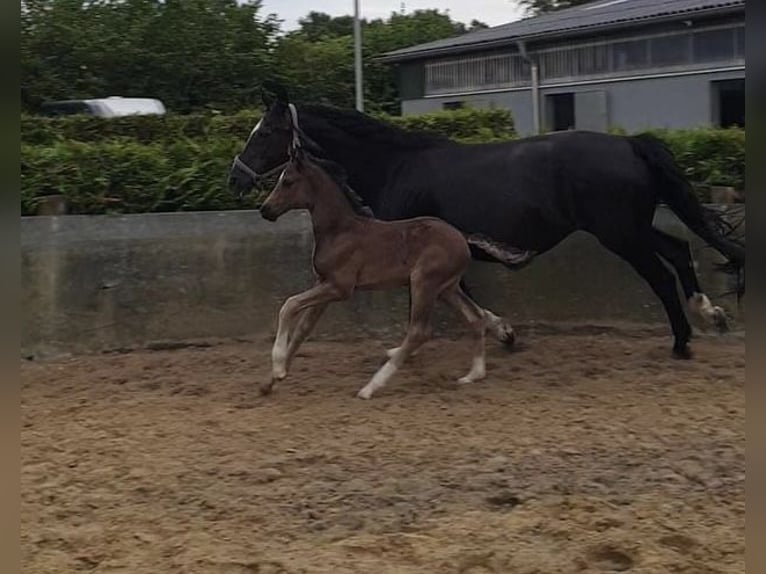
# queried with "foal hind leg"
point(476, 318)
point(418, 332)
point(498, 327)
point(677, 252)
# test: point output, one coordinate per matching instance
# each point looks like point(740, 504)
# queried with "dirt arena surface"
point(587, 453)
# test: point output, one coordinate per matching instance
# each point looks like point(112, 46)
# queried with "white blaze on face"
point(281, 177)
point(255, 129)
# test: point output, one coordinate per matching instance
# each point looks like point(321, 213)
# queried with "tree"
point(316, 60)
point(191, 54)
point(535, 7)
point(203, 54)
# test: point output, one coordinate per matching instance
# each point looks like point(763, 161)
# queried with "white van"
point(112, 107)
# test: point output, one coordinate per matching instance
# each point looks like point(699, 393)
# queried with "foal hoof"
point(682, 352)
point(720, 320)
point(508, 337)
point(266, 388)
point(365, 394)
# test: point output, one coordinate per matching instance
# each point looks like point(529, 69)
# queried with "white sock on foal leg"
point(478, 371)
point(378, 381)
point(391, 352)
point(501, 330)
point(712, 314)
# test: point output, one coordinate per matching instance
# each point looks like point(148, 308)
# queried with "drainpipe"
point(535, 86)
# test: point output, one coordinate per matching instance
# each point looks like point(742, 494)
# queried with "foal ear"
point(298, 156)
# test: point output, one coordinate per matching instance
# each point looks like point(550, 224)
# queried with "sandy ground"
point(587, 453)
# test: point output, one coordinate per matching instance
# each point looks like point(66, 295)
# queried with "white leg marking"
point(279, 351)
point(701, 305)
point(501, 330)
point(378, 381)
point(478, 371)
point(391, 352)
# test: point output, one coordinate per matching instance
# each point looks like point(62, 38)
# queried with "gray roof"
point(598, 15)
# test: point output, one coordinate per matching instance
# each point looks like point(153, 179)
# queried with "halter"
point(294, 145)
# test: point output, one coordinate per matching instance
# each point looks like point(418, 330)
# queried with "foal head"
point(308, 181)
point(293, 189)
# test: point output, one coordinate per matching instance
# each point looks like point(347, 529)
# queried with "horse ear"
point(266, 98)
point(278, 90)
point(281, 92)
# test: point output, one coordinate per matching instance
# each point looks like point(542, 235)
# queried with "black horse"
point(522, 196)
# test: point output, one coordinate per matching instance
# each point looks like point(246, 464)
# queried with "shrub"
point(122, 176)
point(180, 163)
point(709, 156)
point(35, 130)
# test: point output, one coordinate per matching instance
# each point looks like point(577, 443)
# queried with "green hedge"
point(464, 125)
point(709, 156)
point(37, 130)
point(180, 163)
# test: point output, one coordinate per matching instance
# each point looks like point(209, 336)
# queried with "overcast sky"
point(492, 12)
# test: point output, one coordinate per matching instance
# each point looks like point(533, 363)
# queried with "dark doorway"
point(561, 112)
point(729, 103)
point(453, 105)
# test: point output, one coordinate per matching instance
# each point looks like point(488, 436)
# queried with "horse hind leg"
point(477, 320)
point(677, 253)
point(639, 253)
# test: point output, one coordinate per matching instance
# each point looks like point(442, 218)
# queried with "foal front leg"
point(320, 294)
point(305, 324)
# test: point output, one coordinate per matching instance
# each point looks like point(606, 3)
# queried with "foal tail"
point(677, 192)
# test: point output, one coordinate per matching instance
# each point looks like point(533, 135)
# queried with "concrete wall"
point(669, 102)
point(105, 282)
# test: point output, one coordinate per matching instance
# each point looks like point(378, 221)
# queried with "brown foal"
point(354, 251)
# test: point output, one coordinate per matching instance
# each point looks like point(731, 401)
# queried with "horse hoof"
point(720, 320)
point(465, 380)
point(266, 389)
point(682, 352)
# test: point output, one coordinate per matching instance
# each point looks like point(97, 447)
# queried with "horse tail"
point(675, 190)
point(509, 256)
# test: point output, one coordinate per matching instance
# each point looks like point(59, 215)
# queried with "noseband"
point(295, 144)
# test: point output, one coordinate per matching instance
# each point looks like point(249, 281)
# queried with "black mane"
point(339, 177)
point(371, 129)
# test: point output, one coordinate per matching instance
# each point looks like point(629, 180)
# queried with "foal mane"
point(338, 176)
point(371, 129)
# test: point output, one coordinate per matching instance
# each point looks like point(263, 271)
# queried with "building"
point(632, 64)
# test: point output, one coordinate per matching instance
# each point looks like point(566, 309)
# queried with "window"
point(561, 112)
point(714, 45)
point(594, 59)
point(630, 55)
point(476, 73)
point(670, 50)
point(729, 101)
